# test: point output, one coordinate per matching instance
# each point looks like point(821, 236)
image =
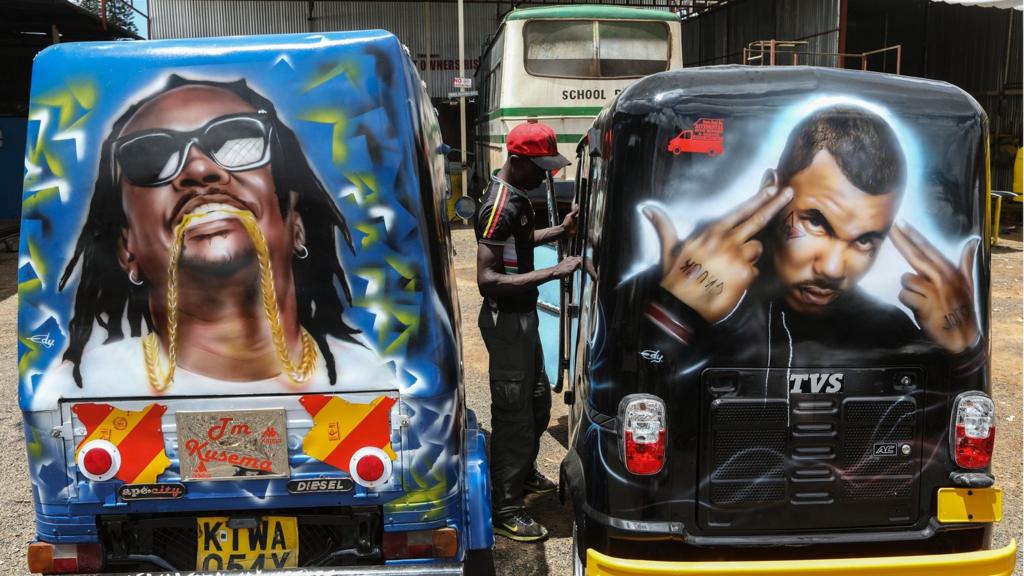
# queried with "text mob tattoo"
point(712, 285)
point(957, 317)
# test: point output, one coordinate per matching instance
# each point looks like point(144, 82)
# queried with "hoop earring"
point(133, 279)
point(302, 252)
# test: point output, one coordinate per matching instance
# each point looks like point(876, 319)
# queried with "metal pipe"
point(462, 99)
point(1004, 80)
point(430, 48)
point(841, 48)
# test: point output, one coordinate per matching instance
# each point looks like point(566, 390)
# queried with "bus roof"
point(591, 11)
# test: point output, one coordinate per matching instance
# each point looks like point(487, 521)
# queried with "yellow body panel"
point(958, 505)
point(983, 563)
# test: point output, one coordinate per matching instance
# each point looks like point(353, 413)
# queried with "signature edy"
point(42, 339)
point(653, 356)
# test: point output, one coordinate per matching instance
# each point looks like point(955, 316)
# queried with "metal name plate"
point(321, 485)
point(233, 445)
point(168, 491)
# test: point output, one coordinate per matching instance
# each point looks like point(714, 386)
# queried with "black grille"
point(773, 459)
point(334, 537)
point(877, 488)
point(878, 413)
point(748, 464)
point(177, 545)
point(744, 414)
point(858, 452)
point(741, 454)
point(748, 493)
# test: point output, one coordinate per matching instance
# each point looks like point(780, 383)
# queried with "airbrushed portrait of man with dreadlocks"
point(212, 243)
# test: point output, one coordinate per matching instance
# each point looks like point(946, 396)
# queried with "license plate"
point(234, 444)
point(272, 543)
point(970, 505)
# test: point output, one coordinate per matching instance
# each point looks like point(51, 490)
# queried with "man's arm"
point(566, 228)
point(493, 282)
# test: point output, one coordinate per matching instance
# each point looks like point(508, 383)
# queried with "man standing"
point(520, 393)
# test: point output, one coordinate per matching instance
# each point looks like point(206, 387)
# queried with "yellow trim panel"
point(958, 505)
point(983, 563)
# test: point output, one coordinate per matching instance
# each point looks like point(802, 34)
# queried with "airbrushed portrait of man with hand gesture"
point(777, 278)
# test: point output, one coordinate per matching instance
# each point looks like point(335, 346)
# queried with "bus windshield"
point(596, 48)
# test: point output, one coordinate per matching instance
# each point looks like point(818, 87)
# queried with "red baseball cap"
point(537, 142)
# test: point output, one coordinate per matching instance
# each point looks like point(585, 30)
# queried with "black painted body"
point(754, 469)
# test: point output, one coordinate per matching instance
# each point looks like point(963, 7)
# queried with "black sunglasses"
point(236, 142)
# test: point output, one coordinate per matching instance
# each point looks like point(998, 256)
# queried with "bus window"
point(596, 49)
point(632, 48)
point(561, 48)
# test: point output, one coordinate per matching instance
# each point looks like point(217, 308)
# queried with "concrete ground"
point(551, 557)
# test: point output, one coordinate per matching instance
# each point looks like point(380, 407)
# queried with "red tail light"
point(441, 543)
point(370, 467)
point(98, 460)
point(973, 430)
point(64, 558)
point(642, 417)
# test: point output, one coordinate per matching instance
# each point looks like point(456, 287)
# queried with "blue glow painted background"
point(331, 90)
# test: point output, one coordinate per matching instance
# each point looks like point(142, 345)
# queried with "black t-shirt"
point(505, 218)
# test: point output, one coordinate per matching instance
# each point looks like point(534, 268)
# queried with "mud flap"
point(478, 487)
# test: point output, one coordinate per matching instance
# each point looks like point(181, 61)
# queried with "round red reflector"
point(370, 468)
point(97, 461)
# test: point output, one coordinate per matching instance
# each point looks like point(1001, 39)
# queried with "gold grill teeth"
point(160, 380)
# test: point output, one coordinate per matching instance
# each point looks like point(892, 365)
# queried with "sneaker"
point(536, 483)
point(520, 527)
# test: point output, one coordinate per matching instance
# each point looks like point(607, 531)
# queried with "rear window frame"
point(597, 52)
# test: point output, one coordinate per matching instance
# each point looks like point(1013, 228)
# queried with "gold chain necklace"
point(160, 379)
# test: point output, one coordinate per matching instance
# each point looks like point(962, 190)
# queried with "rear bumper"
point(998, 562)
point(408, 570)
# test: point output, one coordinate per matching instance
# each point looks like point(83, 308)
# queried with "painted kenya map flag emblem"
point(137, 434)
point(341, 427)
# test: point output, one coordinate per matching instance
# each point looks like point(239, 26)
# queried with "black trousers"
point(520, 402)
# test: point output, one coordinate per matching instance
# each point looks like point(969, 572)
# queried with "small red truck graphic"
point(705, 137)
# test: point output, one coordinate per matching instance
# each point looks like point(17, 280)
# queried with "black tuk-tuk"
point(778, 354)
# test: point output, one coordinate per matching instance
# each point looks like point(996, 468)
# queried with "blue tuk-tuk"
point(238, 328)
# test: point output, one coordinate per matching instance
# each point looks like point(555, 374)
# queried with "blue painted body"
point(369, 133)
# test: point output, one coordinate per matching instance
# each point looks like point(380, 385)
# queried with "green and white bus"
point(559, 65)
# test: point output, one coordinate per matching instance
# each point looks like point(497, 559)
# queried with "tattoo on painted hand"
point(957, 317)
point(711, 269)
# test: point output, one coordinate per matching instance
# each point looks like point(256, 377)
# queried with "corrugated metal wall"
point(434, 47)
point(967, 46)
point(719, 36)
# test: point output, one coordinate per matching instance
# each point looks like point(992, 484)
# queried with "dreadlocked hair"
point(105, 295)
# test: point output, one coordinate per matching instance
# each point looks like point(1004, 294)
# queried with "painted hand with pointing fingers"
point(712, 269)
point(940, 295)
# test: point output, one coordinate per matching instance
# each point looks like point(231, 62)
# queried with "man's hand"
point(569, 222)
point(566, 267)
point(940, 295)
point(711, 270)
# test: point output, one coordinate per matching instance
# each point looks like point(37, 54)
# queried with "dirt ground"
point(551, 557)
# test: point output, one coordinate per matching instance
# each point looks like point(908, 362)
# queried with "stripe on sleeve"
point(496, 208)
